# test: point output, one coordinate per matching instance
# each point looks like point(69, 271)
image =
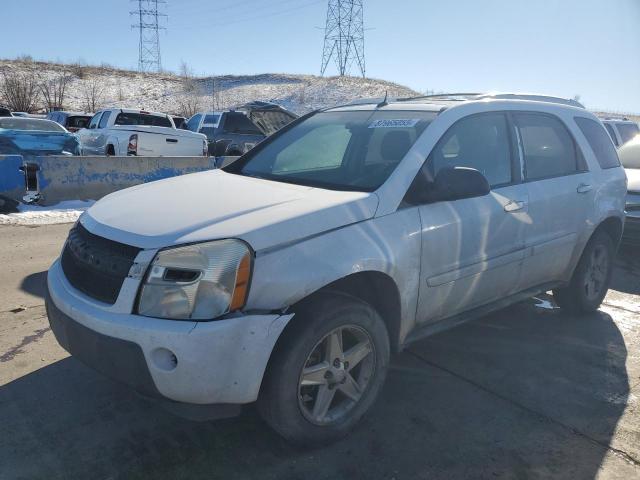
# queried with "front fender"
point(391, 245)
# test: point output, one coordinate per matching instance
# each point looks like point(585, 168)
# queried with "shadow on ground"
point(528, 392)
point(35, 284)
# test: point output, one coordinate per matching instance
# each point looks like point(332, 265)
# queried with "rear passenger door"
point(560, 195)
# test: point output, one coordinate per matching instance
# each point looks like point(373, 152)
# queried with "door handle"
point(583, 188)
point(514, 206)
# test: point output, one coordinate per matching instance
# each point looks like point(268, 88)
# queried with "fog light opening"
point(164, 359)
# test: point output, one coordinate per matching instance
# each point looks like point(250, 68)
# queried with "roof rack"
point(619, 119)
point(466, 96)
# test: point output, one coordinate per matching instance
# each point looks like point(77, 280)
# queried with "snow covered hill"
point(110, 87)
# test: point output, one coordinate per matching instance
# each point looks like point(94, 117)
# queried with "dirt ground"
point(528, 392)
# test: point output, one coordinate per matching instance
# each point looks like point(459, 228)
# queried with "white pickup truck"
point(124, 132)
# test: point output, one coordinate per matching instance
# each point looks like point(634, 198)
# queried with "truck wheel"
point(326, 371)
point(590, 280)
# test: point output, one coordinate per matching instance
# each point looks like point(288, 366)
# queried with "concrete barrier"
point(52, 179)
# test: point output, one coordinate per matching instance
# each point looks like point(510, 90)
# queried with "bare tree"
point(93, 93)
point(188, 98)
point(188, 104)
point(53, 90)
point(19, 90)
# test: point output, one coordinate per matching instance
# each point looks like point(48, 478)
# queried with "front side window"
point(627, 131)
point(611, 133)
point(352, 150)
point(194, 122)
point(94, 120)
point(599, 142)
point(479, 141)
point(549, 150)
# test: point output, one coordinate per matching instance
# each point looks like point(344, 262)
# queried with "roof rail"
point(531, 96)
point(619, 119)
point(442, 96)
point(370, 101)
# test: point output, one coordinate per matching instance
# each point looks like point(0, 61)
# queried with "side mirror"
point(456, 183)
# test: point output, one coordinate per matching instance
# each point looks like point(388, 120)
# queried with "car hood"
point(633, 179)
point(215, 204)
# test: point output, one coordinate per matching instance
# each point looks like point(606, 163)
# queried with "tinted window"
point(549, 149)
point(94, 121)
point(612, 133)
point(627, 131)
point(599, 142)
point(210, 132)
point(104, 119)
point(480, 142)
point(211, 119)
point(239, 123)
point(77, 122)
point(129, 118)
point(193, 122)
point(353, 150)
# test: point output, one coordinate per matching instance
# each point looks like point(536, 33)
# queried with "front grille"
point(96, 266)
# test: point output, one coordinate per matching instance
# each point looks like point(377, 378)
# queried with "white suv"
point(291, 275)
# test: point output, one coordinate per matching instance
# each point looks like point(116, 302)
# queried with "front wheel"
point(590, 280)
point(326, 371)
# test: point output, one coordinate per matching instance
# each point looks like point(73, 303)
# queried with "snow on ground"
point(164, 92)
point(33, 215)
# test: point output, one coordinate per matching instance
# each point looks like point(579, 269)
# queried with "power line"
point(344, 36)
point(149, 18)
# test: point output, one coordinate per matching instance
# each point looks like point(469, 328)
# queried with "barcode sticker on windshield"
point(395, 123)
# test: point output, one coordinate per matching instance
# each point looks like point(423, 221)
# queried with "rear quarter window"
point(599, 141)
point(627, 131)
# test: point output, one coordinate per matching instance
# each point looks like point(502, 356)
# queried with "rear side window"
point(193, 122)
point(612, 133)
point(549, 150)
point(480, 142)
point(104, 119)
point(239, 123)
point(77, 122)
point(599, 142)
point(627, 131)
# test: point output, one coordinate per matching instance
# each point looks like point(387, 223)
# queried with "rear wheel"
point(326, 372)
point(590, 280)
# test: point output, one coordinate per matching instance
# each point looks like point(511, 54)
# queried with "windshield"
point(126, 118)
point(354, 150)
point(13, 123)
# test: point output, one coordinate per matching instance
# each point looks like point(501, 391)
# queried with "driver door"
point(473, 248)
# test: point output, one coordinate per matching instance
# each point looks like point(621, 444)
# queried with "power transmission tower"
point(149, 18)
point(344, 36)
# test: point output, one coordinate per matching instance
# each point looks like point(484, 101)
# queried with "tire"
point(590, 280)
point(290, 407)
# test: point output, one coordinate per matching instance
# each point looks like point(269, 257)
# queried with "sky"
point(589, 48)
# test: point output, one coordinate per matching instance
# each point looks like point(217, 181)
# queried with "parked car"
point(630, 158)
point(72, 121)
point(5, 112)
point(289, 277)
point(122, 132)
point(35, 136)
point(234, 133)
point(621, 130)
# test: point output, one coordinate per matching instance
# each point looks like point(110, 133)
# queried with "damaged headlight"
point(198, 282)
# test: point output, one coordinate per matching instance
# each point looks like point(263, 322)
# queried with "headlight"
point(198, 282)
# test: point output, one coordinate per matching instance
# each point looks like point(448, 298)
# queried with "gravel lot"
point(528, 392)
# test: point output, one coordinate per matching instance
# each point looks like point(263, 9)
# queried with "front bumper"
point(204, 363)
